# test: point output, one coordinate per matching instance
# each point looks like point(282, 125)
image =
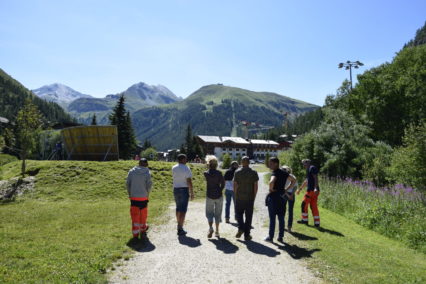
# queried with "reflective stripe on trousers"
point(311, 200)
point(139, 217)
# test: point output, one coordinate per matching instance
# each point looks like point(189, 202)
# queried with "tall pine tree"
point(94, 120)
point(126, 135)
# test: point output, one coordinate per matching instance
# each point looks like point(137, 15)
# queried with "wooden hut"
point(91, 143)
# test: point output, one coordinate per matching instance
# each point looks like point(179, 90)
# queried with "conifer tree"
point(126, 135)
point(94, 120)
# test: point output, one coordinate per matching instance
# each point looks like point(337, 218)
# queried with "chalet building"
point(237, 146)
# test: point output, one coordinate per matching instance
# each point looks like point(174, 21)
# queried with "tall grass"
point(397, 212)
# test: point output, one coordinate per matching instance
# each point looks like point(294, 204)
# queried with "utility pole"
point(348, 66)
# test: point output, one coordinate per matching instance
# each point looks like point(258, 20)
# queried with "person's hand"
point(271, 190)
point(191, 195)
point(298, 191)
point(316, 191)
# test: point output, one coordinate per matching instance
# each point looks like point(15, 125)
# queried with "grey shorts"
point(214, 209)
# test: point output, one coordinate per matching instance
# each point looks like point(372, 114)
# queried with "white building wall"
point(220, 151)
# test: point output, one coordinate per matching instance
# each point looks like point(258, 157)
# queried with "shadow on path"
point(190, 242)
point(144, 245)
point(331, 232)
point(295, 251)
point(224, 245)
point(258, 248)
point(303, 237)
point(236, 225)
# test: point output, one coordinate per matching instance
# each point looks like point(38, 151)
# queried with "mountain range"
point(83, 106)
point(162, 117)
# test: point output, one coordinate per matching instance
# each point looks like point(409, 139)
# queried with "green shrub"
point(340, 147)
point(226, 161)
point(408, 162)
point(150, 154)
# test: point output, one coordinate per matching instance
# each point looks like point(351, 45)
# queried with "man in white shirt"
point(182, 190)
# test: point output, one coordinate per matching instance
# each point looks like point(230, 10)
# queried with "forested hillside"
point(213, 110)
point(13, 95)
point(375, 131)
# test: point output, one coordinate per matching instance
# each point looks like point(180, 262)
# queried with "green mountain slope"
point(13, 95)
point(213, 110)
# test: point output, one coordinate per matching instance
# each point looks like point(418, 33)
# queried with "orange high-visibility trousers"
point(139, 214)
point(311, 199)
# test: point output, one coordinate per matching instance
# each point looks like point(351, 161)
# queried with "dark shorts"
point(181, 198)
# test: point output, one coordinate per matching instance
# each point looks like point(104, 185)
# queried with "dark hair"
point(143, 161)
point(274, 160)
point(181, 157)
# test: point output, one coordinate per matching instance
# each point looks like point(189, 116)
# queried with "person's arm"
point(222, 182)
point(128, 183)
point(292, 182)
point(191, 190)
point(255, 188)
point(189, 183)
point(272, 183)
point(316, 182)
point(235, 185)
point(305, 182)
point(148, 184)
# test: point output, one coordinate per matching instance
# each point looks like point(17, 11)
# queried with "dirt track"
point(165, 258)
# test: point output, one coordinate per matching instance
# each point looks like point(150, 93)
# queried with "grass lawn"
point(76, 222)
point(345, 252)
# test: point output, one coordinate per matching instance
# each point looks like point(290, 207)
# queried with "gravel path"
point(165, 258)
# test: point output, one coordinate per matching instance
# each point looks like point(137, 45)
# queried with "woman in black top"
point(214, 199)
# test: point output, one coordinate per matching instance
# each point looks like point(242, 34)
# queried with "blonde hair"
point(211, 161)
point(287, 169)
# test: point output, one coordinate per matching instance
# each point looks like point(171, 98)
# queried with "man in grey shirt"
point(139, 186)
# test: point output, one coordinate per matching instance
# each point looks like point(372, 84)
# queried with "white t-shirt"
point(229, 185)
point(181, 173)
point(287, 183)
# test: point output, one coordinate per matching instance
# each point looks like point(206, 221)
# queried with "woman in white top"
point(229, 188)
point(291, 198)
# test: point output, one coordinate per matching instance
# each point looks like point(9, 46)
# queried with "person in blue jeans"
point(276, 198)
point(229, 189)
point(290, 198)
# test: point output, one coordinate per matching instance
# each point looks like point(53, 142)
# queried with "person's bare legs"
point(217, 229)
point(180, 218)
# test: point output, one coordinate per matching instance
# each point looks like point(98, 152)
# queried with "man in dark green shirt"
point(245, 188)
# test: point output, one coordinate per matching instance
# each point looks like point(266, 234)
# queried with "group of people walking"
point(241, 187)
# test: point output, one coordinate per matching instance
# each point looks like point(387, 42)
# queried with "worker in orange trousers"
point(139, 186)
point(311, 197)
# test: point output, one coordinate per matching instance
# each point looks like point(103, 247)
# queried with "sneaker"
point(281, 240)
point(302, 222)
point(181, 232)
point(227, 220)
point(216, 234)
point(239, 234)
point(248, 238)
point(210, 233)
point(268, 239)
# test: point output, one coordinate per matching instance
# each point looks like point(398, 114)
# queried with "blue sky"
point(288, 47)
